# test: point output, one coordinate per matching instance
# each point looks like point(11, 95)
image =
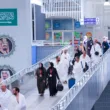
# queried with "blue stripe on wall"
point(34, 54)
point(44, 51)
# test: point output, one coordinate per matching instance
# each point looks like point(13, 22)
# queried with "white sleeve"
point(23, 106)
point(5, 101)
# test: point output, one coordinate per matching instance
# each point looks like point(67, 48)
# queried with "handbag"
point(96, 52)
point(60, 86)
point(70, 69)
point(86, 67)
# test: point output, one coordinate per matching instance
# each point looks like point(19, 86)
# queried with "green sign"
point(8, 17)
point(77, 34)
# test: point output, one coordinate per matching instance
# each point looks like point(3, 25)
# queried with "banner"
point(8, 17)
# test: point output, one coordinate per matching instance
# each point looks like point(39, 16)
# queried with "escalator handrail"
point(24, 71)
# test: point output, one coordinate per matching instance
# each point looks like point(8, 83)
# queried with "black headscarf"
point(51, 65)
point(41, 66)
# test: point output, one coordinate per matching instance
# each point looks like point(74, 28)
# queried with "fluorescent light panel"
point(107, 3)
point(38, 2)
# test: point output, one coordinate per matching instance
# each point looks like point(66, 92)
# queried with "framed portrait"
point(6, 72)
point(7, 46)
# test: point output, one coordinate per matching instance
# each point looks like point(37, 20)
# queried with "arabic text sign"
point(93, 21)
point(8, 17)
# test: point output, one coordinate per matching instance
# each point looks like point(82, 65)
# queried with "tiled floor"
point(36, 102)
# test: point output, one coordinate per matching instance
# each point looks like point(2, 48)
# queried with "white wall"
point(21, 34)
point(89, 9)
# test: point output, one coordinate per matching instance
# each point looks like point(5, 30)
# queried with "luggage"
point(59, 86)
point(71, 82)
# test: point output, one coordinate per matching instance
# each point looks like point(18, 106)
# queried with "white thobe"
point(85, 59)
point(58, 67)
point(78, 71)
point(95, 48)
point(4, 99)
point(62, 68)
point(14, 105)
point(65, 56)
point(95, 60)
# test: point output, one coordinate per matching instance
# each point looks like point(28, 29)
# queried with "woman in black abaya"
point(52, 79)
point(41, 79)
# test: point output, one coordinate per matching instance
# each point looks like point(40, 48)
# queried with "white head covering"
point(105, 38)
point(2, 83)
point(7, 74)
point(85, 39)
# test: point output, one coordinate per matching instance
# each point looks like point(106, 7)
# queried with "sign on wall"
point(77, 24)
point(92, 21)
point(8, 17)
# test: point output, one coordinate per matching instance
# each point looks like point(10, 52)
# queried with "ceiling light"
point(38, 2)
point(106, 3)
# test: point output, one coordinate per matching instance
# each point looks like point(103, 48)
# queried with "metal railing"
point(62, 8)
point(32, 68)
point(74, 91)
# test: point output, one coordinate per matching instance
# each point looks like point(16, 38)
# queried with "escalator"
point(89, 92)
point(28, 84)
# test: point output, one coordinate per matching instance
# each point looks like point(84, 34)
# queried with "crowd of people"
point(60, 69)
point(11, 100)
point(63, 67)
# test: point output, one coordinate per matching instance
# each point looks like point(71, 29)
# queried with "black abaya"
point(52, 80)
point(41, 80)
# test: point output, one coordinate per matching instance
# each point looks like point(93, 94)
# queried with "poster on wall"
point(48, 24)
point(58, 38)
point(6, 72)
point(77, 38)
point(48, 39)
point(8, 17)
point(48, 36)
point(7, 45)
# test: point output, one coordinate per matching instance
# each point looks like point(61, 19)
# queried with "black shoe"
point(41, 94)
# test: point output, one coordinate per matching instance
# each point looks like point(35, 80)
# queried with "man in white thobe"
point(5, 95)
point(65, 55)
point(18, 101)
point(78, 70)
point(95, 48)
point(84, 58)
point(62, 68)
